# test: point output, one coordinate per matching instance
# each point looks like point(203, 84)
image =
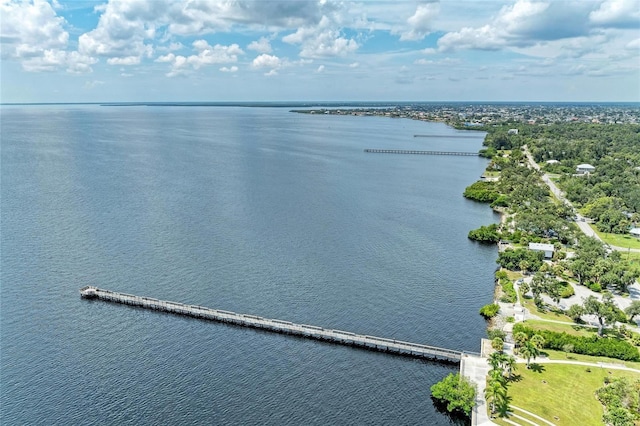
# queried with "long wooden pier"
point(405, 151)
point(309, 331)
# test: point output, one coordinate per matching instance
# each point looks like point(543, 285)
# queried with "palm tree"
point(520, 337)
point(529, 350)
point(498, 344)
point(509, 364)
point(495, 361)
point(537, 340)
point(495, 393)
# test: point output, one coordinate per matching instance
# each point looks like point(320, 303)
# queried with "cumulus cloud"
point(267, 61)
point(229, 69)
point(525, 23)
point(323, 40)
point(420, 22)
point(32, 33)
point(122, 31)
point(30, 29)
point(206, 55)
point(261, 46)
point(617, 14)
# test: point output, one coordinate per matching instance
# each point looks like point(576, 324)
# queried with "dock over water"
point(379, 344)
point(413, 152)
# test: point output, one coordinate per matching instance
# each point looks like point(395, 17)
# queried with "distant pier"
point(404, 151)
point(379, 344)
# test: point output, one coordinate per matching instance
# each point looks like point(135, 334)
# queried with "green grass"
point(563, 394)
point(569, 328)
point(619, 240)
point(551, 354)
point(513, 275)
point(492, 173)
point(528, 303)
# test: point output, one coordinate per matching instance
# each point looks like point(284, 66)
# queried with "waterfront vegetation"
point(609, 197)
point(489, 311)
point(456, 393)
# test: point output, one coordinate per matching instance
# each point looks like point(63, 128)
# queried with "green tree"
point(457, 392)
point(495, 393)
point(497, 344)
point(575, 312)
point(633, 309)
point(529, 350)
point(520, 338)
point(605, 311)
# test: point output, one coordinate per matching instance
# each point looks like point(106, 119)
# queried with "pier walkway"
point(404, 151)
point(309, 331)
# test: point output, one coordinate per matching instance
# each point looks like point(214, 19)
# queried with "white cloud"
point(207, 55)
point(323, 40)
point(523, 24)
point(633, 45)
point(229, 69)
point(320, 69)
point(617, 13)
point(30, 29)
point(354, 65)
point(32, 33)
point(217, 54)
point(261, 46)
point(267, 61)
point(170, 57)
point(123, 29)
point(421, 21)
point(502, 32)
point(127, 60)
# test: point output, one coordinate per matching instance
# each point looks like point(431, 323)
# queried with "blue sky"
point(326, 50)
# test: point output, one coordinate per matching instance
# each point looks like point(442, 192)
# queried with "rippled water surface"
point(252, 210)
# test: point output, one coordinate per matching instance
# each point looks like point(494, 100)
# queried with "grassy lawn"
point(528, 303)
point(513, 275)
point(551, 354)
point(563, 394)
point(619, 240)
point(491, 173)
point(569, 328)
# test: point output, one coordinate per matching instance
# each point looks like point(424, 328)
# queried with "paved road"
point(584, 226)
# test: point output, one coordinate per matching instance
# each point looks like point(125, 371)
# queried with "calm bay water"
point(252, 210)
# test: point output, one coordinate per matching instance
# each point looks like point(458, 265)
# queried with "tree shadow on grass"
point(516, 378)
point(536, 368)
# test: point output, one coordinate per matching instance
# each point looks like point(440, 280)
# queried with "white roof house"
point(552, 161)
point(546, 248)
point(512, 132)
point(635, 232)
point(585, 168)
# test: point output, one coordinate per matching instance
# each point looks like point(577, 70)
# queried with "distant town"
point(488, 114)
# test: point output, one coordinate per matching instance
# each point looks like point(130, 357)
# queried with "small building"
point(552, 161)
point(512, 132)
point(585, 169)
point(546, 248)
point(635, 232)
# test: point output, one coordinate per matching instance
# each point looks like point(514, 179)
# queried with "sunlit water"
point(252, 210)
